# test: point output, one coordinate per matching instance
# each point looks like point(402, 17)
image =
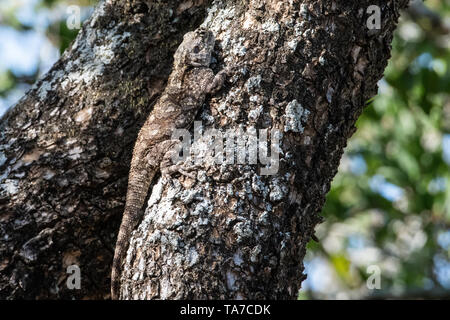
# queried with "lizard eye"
point(196, 49)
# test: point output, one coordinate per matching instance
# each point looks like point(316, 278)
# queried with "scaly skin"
point(189, 83)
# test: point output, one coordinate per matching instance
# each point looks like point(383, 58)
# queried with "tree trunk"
point(301, 69)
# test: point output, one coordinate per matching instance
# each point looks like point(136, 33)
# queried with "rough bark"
point(305, 68)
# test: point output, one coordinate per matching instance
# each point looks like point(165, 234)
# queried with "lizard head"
point(197, 48)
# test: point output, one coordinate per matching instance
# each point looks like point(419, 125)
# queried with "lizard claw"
point(217, 82)
point(168, 171)
point(187, 174)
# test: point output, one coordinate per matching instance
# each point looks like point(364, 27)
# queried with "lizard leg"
point(177, 168)
point(168, 167)
point(218, 82)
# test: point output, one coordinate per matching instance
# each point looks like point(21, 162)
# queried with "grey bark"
point(305, 68)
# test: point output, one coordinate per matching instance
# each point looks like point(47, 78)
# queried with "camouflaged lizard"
point(188, 85)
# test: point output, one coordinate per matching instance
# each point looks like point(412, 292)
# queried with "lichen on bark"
point(66, 147)
point(305, 68)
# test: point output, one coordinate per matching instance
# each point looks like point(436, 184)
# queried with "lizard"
point(190, 82)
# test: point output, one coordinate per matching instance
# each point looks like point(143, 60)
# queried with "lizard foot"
point(167, 172)
point(168, 168)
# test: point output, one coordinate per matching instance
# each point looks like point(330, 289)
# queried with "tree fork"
point(304, 68)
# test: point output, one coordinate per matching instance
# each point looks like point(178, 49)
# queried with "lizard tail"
point(119, 256)
point(137, 191)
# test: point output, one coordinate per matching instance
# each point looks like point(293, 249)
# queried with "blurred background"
point(388, 212)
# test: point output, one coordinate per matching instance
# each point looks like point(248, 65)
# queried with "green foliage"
point(390, 201)
point(56, 30)
point(7, 82)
